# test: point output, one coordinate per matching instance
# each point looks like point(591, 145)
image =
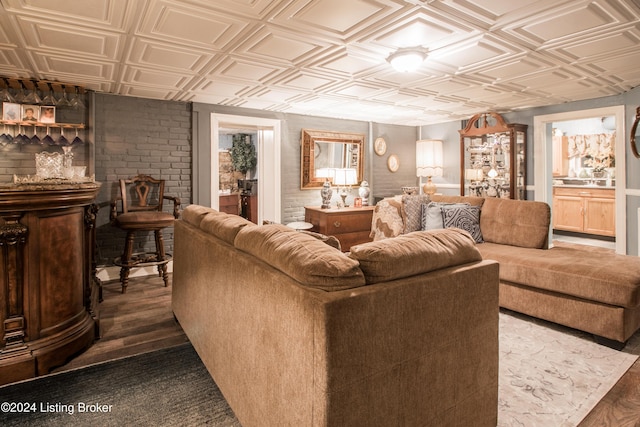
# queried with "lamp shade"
point(345, 176)
point(429, 161)
point(328, 173)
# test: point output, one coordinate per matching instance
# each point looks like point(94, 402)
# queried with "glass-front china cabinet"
point(493, 162)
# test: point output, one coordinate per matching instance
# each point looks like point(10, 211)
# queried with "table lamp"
point(429, 162)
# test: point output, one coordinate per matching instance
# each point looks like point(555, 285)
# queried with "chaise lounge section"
point(592, 291)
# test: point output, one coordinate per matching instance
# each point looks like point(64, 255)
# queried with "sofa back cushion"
point(193, 214)
point(224, 226)
point(414, 253)
point(302, 257)
point(522, 223)
point(472, 200)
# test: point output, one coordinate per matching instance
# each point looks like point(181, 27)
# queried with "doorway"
point(543, 170)
point(267, 171)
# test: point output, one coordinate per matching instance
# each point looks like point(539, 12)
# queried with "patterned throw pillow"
point(412, 211)
point(432, 214)
point(464, 217)
point(387, 219)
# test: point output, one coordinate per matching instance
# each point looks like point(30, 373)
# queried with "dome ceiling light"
point(407, 59)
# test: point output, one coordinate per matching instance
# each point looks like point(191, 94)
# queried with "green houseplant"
point(243, 153)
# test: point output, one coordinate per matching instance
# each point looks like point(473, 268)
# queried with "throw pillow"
point(432, 214)
point(387, 219)
point(412, 211)
point(464, 217)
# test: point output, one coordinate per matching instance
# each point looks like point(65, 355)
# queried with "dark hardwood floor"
point(133, 323)
point(141, 320)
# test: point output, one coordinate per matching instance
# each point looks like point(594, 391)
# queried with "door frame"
point(268, 168)
point(543, 179)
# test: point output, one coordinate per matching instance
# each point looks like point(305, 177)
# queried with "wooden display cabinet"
point(493, 162)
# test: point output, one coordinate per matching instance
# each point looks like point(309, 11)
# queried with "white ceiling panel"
point(302, 56)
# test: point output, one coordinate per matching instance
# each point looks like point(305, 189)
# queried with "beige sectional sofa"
point(584, 289)
point(402, 332)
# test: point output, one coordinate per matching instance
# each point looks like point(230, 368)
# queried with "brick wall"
point(132, 136)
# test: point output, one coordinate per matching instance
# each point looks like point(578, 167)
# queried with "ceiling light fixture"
point(407, 59)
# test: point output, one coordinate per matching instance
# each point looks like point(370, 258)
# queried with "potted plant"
point(243, 153)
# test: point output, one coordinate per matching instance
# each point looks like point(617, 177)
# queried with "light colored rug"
point(551, 375)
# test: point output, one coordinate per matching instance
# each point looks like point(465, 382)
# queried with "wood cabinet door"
point(599, 216)
point(568, 213)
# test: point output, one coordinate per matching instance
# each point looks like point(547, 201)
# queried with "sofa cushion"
point(193, 214)
point(387, 219)
point(224, 226)
point(464, 217)
point(300, 256)
point(521, 223)
point(329, 240)
point(414, 253)
point(432, 215)
point(472, 200)
point(592, 275)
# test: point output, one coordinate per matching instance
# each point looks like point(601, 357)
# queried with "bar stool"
point(138, 208)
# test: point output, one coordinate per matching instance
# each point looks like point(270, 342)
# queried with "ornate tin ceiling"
point(328, 57)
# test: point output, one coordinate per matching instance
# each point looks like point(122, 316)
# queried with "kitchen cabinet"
point(584, 210)
point(351, 226)
point(560, 156)
point(493, 162)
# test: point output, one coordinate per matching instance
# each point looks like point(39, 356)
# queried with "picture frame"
point(47, 114)
point(29, 113)
point(393, 163)
point(380, 146)
point(11, 112)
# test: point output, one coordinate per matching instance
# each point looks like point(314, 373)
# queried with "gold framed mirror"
point(329, 150)
point(635, 134)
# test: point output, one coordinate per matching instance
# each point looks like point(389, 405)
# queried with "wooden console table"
point(351, 226)
point(48, 288)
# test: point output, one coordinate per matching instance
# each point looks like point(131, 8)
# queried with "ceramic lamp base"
point(429, 188)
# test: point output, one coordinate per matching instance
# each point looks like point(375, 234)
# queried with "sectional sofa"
point(588, 290)
point(401, 332)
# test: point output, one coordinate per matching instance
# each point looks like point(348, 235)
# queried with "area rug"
point(549, 376)
point(169, 387)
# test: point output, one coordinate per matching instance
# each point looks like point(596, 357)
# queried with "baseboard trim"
point(112, 272)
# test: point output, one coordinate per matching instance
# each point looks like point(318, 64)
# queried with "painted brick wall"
point(132, 136)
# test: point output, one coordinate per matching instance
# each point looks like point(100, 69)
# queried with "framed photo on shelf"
point(47, 114)
point(10, 111)
point(30, 113)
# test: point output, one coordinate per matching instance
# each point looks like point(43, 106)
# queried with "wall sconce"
point(326, 192)
point(429, 162)
point(344, 178)
point(407, 59)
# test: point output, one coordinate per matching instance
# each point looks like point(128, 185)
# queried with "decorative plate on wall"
point(393, 163)
point(380, 146)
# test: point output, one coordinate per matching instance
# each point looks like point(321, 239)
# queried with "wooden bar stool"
point(139, 208)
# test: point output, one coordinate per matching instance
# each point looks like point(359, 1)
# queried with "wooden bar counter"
point(48, 288)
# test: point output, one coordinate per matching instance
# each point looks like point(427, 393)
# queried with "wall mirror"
point(327, 150)
point(635, 134)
